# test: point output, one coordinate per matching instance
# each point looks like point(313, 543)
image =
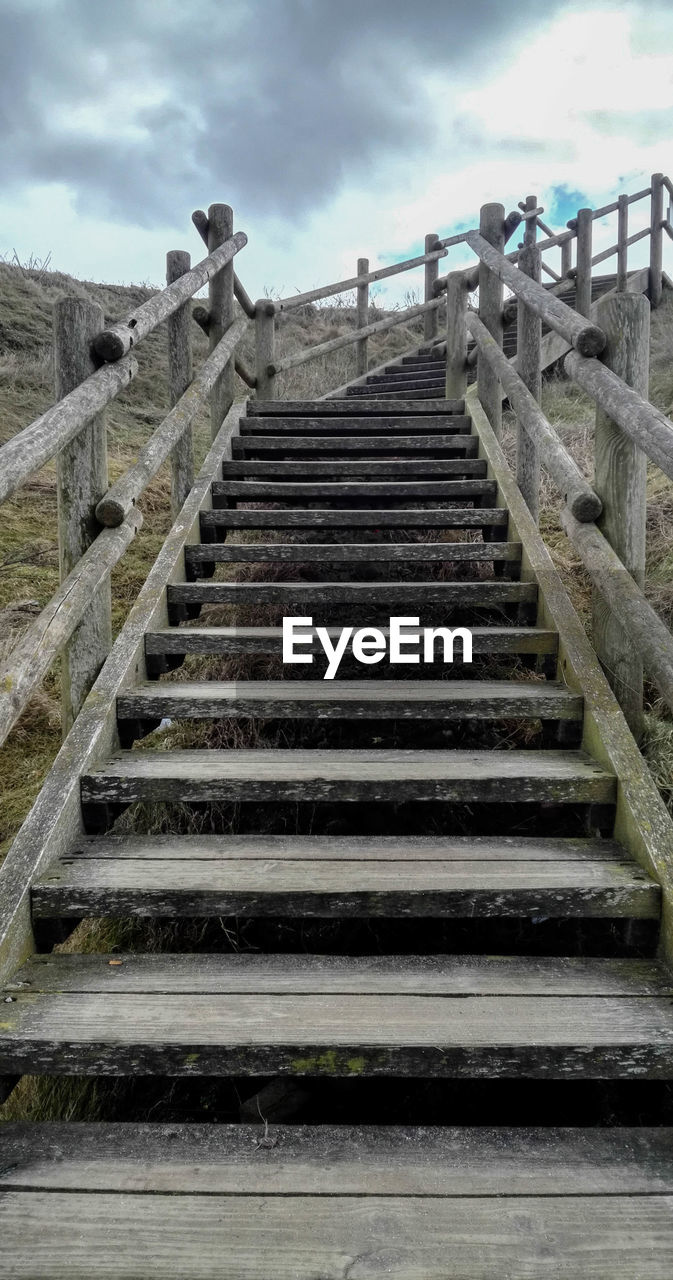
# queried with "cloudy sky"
point(335, 128)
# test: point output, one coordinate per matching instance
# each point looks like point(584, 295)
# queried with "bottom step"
point(127, 1201)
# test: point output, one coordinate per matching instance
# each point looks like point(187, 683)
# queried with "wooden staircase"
point(395, 794)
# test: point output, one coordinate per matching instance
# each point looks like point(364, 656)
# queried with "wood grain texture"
point(81, 479)
point(348, 469)
point(317, 519)
point(351, 700)
point(464, 776)
point(363, 1238)
point(463, 594)
point(404, 491)
point(326, 553)
point(213, 640)
point(249, 446)
point(180, 373)
point(352, 424)
point(341, 408)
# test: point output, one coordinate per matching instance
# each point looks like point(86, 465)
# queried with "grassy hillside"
point(28, 545)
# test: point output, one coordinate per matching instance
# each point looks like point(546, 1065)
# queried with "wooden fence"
point(97, 522)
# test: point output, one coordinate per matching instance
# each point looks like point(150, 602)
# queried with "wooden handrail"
point(587, 338)
point(650, 429)
point(344, 286)
point(200, 220)
point(38, 443)
point(609, 253)
point(121, 497)
point(37, 648)
point(576, 491)
point(650, 637)
point(115, 342)
point(324, 348)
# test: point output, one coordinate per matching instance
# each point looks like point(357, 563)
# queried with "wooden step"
point(171, 1202)
point(342, 408)
point(348, 469)
point(363, 490)
point(260, 875)
point(435, 375)
point(367, 424)
point(467, 777)
point(351, 700)
point(482, 595)
point(436, 444)
point(447, 518)
point(216, 1015)
point(327, 553)
point(406, 397)
point(225, 640)
point(428, 386)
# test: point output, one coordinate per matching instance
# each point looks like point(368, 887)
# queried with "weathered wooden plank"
point(491, 232)
point(301, 1237)
point(352, 424)
point(347, 469)
point(341, 408)
point(526, 776)
point(186, 885)
point(146, 974)
point(322, 1160)
point(265, 349)
point(277, 491)
point(349, 849)
point(326, 553)
point(215, 640)
point(461, 594)
point(316, 519)
point(351, 700)
point(249, 446)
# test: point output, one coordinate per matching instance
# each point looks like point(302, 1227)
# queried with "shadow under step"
point(355, 876)
point(320, 1201)
point(455, 1016)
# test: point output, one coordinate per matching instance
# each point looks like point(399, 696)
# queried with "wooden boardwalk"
point(535, 823)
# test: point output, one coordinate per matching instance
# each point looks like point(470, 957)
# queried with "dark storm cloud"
point(271, 102)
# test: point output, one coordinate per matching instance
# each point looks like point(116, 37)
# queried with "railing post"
point(180, 376)
point(220, 312)
point(528, 364)
point(622, 237)
point(566, 257)
point(265, 348)
point(656, 239)
point(82, 479)
point(361, 359)
point(456, 335)
point(620, 482)
point(583, 270)
point(492, 228)
point(431, 273)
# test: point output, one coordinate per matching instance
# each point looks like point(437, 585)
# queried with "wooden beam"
point(492, 231)
point(265, 349)
point(431, 274)
point(82, 478)
point(220, 312)
point(115, 342)
point(456, 336)
point(361, 360)
point(180, 374)
point(656, 240)
point(529, 340)
point(621, 482)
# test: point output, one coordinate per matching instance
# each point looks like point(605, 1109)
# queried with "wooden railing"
point(94, 365)
point(606, 348)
